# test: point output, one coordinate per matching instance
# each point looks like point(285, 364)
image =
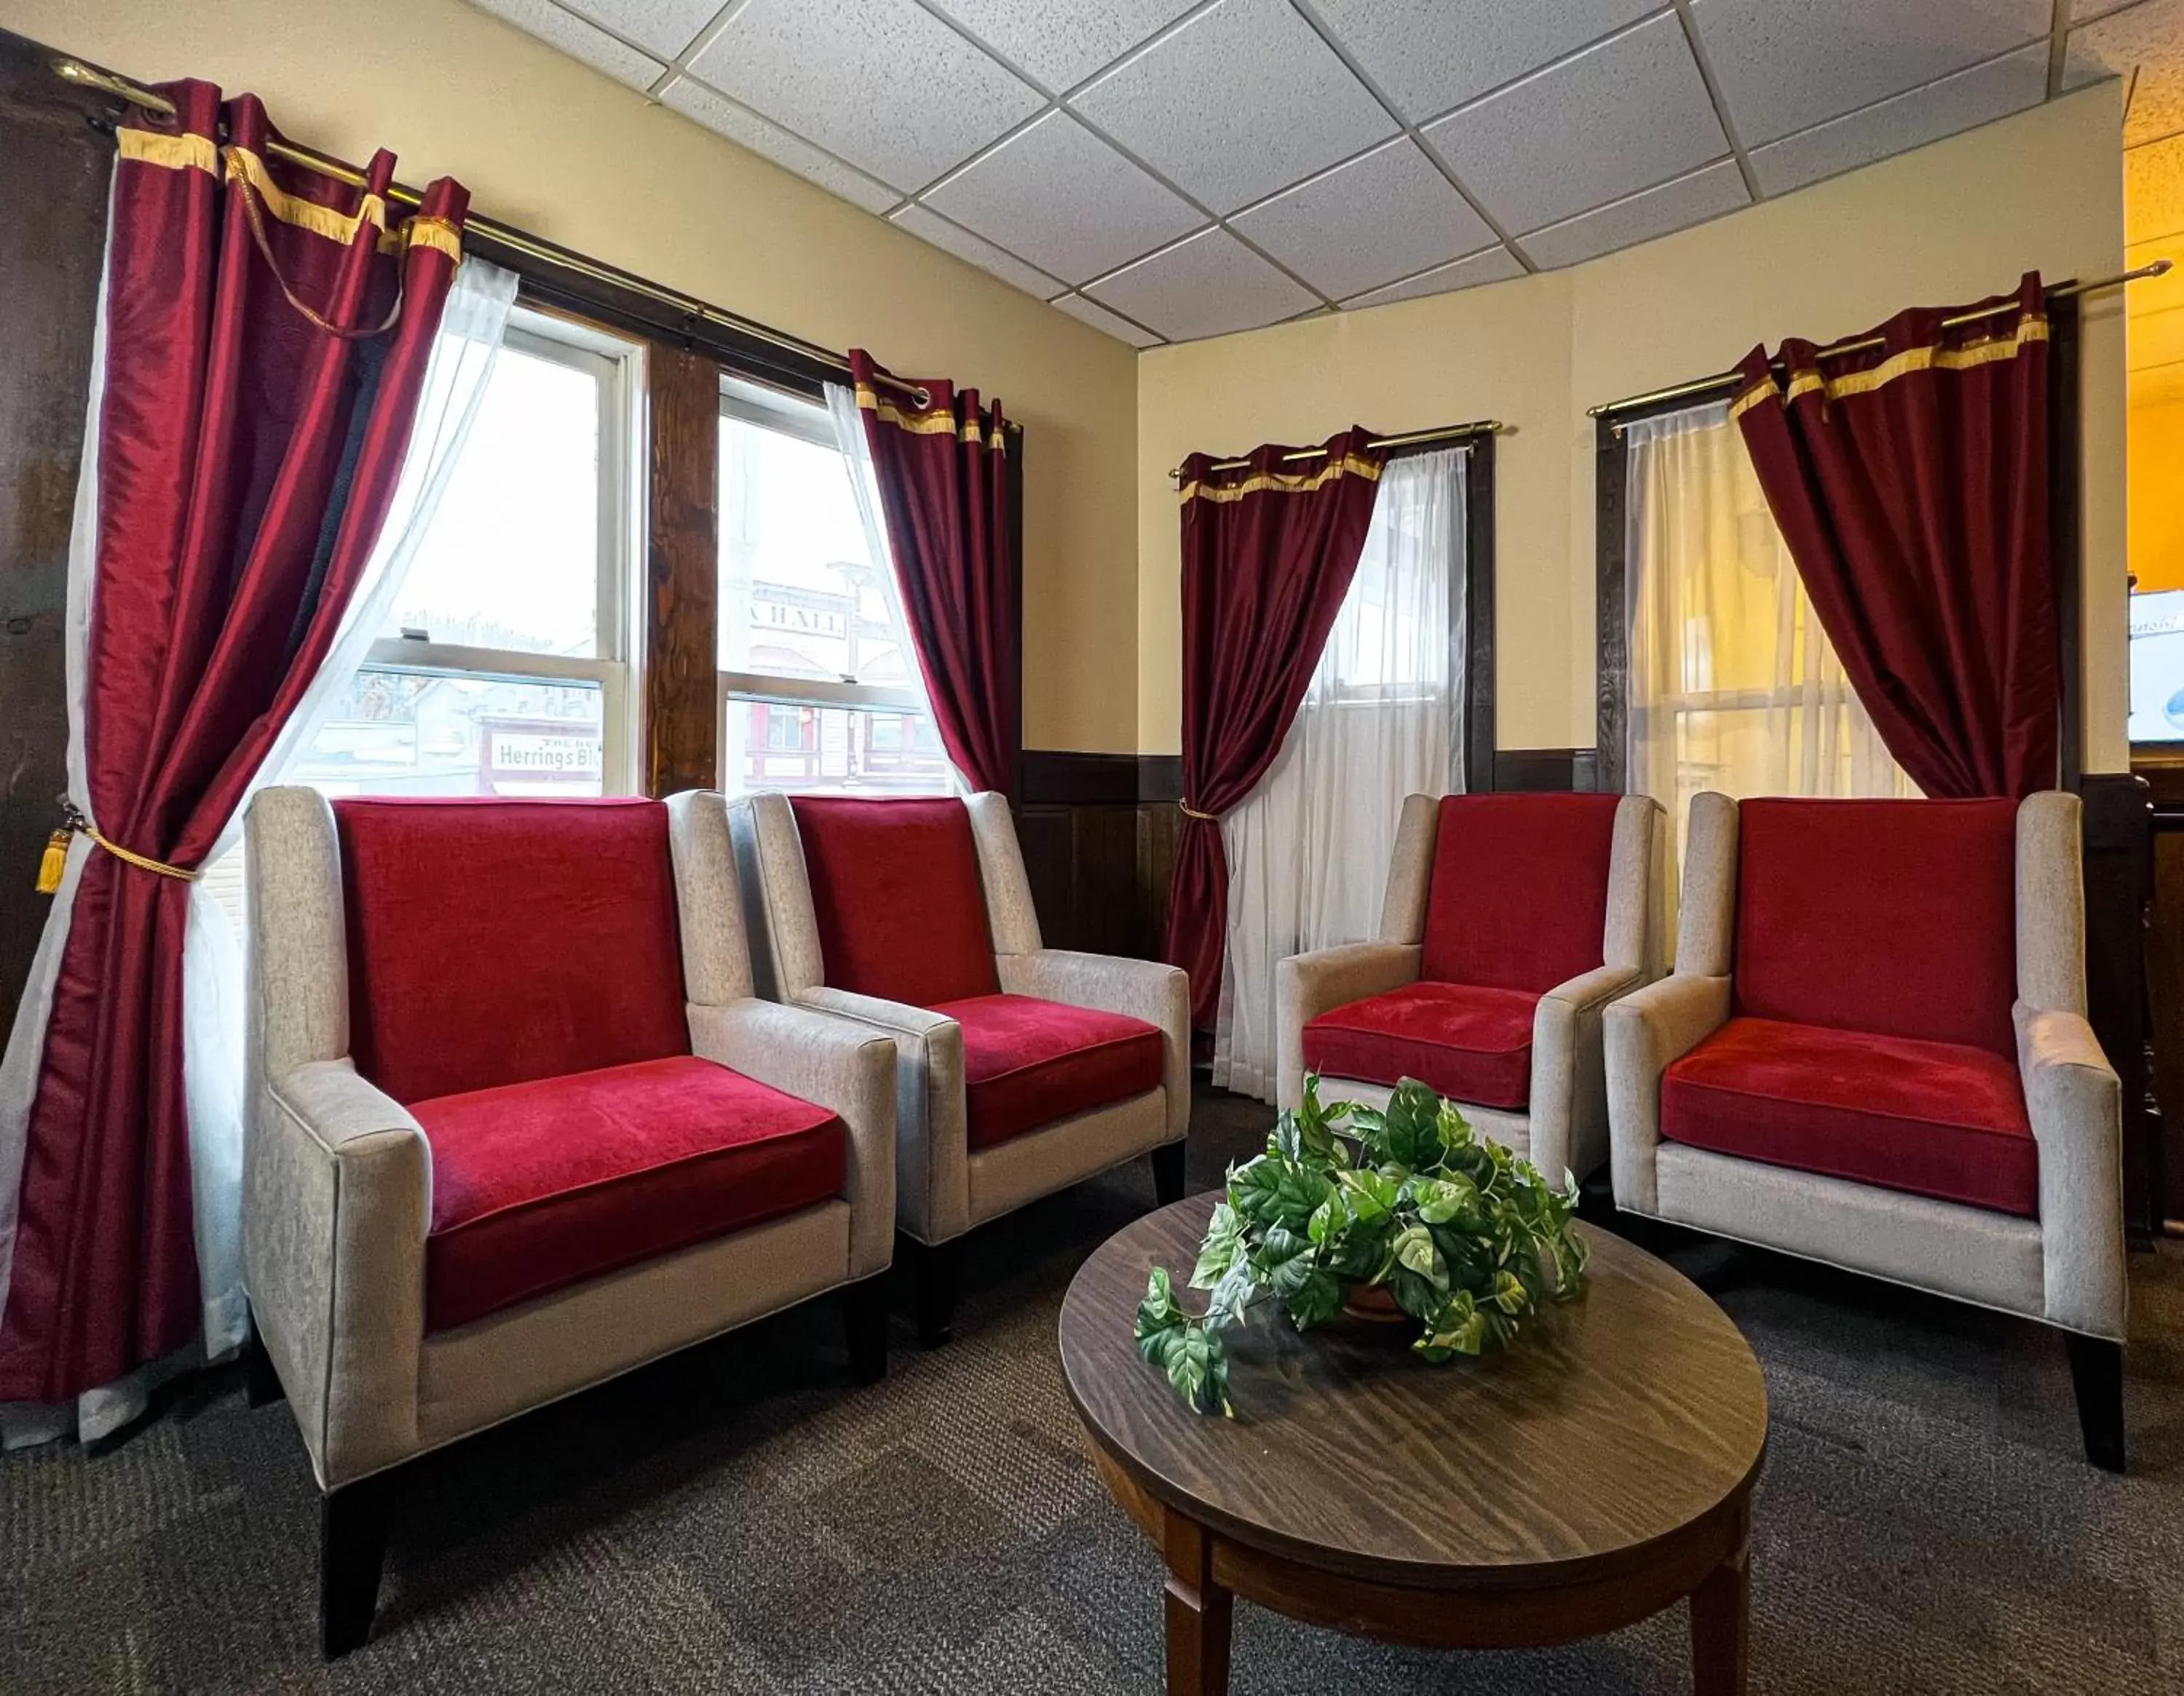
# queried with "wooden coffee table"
point(1588, 1476)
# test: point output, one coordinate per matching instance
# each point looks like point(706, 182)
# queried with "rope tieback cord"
point(54, 860)
point(1191, 812)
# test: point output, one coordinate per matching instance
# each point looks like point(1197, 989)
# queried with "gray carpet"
point(741, 1520)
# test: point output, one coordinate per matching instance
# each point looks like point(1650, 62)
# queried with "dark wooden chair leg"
point(261, 1384)
point(931, 1269)
point(865, 1321)
point(2096, 1374)
point(1168, 1172)
point(352, 1545)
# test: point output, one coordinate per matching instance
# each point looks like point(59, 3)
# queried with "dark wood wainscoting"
point(54, 168)
point(1554, 769)
point(1099, 833)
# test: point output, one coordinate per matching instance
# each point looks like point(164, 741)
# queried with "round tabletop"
point(1614, 1423)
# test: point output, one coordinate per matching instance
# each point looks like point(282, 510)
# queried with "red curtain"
point(1910, 481)
point(266, 335)
point(944, 478)
point(1268, 552)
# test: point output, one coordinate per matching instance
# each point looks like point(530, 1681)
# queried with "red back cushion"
point(494, 941)
point(1894, 917)
point(896, 888)
point(1519, 893)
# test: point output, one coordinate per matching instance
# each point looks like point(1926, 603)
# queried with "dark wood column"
point(682, 575)
point(54, 168)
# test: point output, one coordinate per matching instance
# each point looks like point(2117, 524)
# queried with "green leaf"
point(1315, 1300)
point(1233, 1294)
point(1285, 1259)
point(1159, 1312)
point(1224, 1241)
point(1412, 1135)
point(1442, 1199)
point(1509, 1293)
point(1417, 1252)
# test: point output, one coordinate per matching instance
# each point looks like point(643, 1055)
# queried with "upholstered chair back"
point(1898, 918)
point(1518, 897)
point(897, 897)
point(493, 941)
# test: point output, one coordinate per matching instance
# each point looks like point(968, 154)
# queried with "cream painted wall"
point(1953, 221)
point(546, 144)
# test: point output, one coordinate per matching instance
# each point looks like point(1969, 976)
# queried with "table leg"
point(1721, 1632)
point(1199, 1613)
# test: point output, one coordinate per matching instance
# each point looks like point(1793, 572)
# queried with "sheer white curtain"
point(865, 484)
point(472, 325)
point(1308, 851)
point(1734, 685)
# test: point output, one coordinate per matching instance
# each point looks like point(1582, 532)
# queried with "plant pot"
point(1374, 1304)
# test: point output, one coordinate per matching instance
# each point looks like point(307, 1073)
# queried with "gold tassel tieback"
point(54, 860)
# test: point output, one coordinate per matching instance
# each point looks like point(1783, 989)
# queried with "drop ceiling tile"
point(883, 84)
point(1092, 312)
point(1675, 205)
point(1497, 265)
point(1060, 42)
point(1429, 55)
point(1970, 98)
point(1360, 225)
point(1207, 286)
point(1782, 68)
point(663, 27)
point(1065, 200)
point(576, 38)
point(1244, 99)
point(932, 227)
point(770, 140)
point(1632, 112)
point(2146, 43)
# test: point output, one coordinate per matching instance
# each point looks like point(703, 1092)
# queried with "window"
point(817, 689)
point(504, 667)
point(1733, 685)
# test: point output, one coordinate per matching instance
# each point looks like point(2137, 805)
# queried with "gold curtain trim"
point(198, 152)
point(927, 423)
point(170, 152)
point(301, 214)
point(54, 861)
point(421, 231)
point(1286, 482)
point(1807, 380)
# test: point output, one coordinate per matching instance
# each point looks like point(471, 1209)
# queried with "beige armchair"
point(517, 1125)
point(1511, 921)
point(1874, 1052)
point(1024, 1069)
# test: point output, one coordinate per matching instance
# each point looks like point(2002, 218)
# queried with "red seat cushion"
point(1945, 1119)
point(1470, 1042)
point(490, 942)
point(1897, 917)
point(1029, 1062)
point(1518, 898)
point(896, 891)
point(540, 1185)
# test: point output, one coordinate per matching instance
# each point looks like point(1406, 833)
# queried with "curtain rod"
point(1409, 439)
point(85, 75)
point(1866, 344)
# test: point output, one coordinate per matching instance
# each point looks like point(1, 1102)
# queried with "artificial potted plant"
point(1348, 1203)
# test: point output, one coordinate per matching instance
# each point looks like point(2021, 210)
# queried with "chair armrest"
point(1641, 1036)
point(2074, 1101)
point(1306, 986)
point(1569, 1112)
point(932, 1175)
point(1158, 993)
point(338, 1202)
point(833, 1063)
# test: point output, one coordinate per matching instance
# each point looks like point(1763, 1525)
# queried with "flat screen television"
point(2157, 667)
